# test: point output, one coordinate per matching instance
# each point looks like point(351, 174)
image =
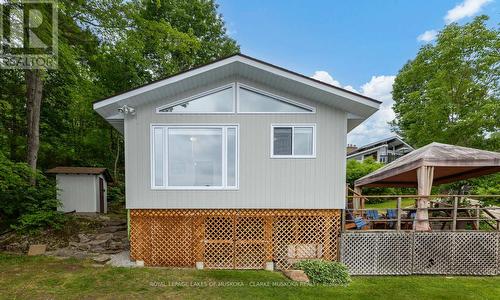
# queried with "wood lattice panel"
point(233, 239)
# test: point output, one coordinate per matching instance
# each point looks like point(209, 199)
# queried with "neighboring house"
point(82, 189)
point(235, 164)
point(384, 151)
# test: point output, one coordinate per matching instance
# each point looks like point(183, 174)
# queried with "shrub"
point(325, 272)
point(27, 207)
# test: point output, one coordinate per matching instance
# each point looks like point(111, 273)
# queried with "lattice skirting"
point(232, 239)
point(404, 253)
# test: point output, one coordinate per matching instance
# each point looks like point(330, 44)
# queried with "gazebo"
point(433, 164)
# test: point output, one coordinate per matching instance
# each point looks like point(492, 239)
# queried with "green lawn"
point(391, 203)
point(24, 277)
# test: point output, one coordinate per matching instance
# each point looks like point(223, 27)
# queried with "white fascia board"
point(244, 60)
point(364, 151)
point(164, 82)
point(310, 82)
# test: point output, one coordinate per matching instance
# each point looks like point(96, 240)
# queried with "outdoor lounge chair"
point(355, 222)
point(375, 218)
point(391, 214)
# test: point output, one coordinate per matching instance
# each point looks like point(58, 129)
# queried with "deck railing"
point(452, 210)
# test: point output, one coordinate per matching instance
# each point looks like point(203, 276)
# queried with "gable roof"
point(396, 139)
point(358, 106)
point(451, 163)
point(81, 170)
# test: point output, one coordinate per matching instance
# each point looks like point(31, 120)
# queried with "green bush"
point(23, 206)
point(325, 272)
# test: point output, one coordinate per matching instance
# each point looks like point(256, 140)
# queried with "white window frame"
point(197, 96)
point(280, 98)
point(224, 128)
point(293, 126)
point(236, 102)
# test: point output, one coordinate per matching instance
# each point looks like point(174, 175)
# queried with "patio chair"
point(391, 214)
point(355, 222)
point(360, 223)
point(375, 218)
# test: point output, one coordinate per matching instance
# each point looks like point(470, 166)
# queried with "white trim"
point(278, 98)
point(224, 127)
point(293, 126)
point(197, 96)
point(164, 82)
point(244, 60)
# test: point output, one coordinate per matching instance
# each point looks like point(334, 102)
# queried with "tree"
point(357, 169)
point(450, 91)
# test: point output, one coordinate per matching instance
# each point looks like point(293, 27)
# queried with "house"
point(82, 189)
point(235, 164)
point(384, 151)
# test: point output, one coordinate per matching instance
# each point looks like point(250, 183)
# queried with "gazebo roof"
point(451, 163)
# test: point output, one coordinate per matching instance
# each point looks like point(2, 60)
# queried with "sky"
point(359, 44)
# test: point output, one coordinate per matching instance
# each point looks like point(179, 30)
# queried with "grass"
point(23, 277)
point(391, 203)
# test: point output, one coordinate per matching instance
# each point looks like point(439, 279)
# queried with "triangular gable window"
point(219, 101)
point(251, 101)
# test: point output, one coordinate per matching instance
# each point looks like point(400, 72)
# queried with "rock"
point(12, 247)
point(25, 245)
point(83, 238)
point(102, 258)
point(120, 235)
point(115, 245)
point(98, 249)
point(103, 237)
point(64, 252)
point(73, 244)
point(111, 251)
point(296, 275)
point(115, 223)
point(113, 228)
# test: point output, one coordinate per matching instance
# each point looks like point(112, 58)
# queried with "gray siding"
point(263, 182)
point(77, 192)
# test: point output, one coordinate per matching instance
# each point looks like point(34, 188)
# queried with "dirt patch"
point(71, 268)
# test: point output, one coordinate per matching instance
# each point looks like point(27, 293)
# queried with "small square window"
point(293, 141)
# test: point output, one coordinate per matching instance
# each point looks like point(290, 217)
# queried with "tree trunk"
point(34, 87)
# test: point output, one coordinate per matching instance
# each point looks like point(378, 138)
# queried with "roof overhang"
point(358, 107)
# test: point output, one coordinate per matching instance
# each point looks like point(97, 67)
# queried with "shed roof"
point(451, 163)
point(81, 170)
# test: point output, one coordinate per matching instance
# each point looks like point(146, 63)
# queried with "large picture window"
point(293, 141)
point(194, 157)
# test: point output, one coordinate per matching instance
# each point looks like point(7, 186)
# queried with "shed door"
point(101, 195)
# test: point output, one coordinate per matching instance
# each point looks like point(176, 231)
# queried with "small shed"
point(82, 189)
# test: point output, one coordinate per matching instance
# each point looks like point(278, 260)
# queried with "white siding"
point(264, 182)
